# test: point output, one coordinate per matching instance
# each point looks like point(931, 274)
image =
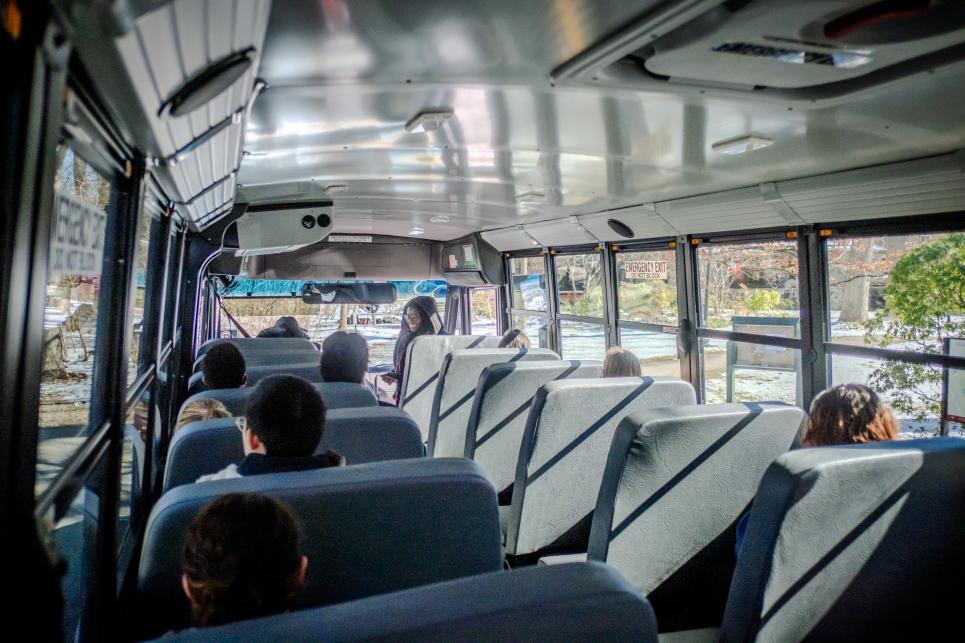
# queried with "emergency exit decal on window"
point(646, 270)
point(77, 237)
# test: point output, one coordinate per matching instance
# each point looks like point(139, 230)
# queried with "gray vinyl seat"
point(306, 370)
point(456, 388)
point(504, 395)
point(576, 602)
point(253, 344)
point(368, 529)
point(337, 395)
point(563, 453)
point(370, 434)
point(675, 484)
point(849, 543)
point(423, 359)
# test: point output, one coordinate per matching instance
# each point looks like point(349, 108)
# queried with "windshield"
point(258, 303)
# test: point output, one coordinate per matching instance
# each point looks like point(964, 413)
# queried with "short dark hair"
point(241, 556)
point(287, 414)
point(223, 367)
point(345, 357)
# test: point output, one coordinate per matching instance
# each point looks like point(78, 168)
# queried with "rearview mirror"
point(327, 293)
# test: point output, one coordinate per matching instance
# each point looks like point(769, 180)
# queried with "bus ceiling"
point(538, 123)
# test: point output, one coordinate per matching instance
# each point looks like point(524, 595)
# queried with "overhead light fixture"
point(429, 120)
point(209, 83)
point(416, 231)
point(440, 218)
point(335, 187)
point(742, 144)
point(532, 195)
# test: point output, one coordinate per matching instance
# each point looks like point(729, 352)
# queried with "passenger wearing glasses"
point(282, 426)
point(419, 317)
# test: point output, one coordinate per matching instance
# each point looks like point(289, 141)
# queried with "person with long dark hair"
point(420, 316)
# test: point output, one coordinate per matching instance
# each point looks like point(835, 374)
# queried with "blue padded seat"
point(273, 358)
point(306, 370)
point(371, 434)
point(574, 602)
point(254, 344)
point(337, 395)
point(368, 529)
point(854, 543)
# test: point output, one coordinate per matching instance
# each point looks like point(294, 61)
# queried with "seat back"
point(840, 538)
point(368, 529)
point(563, 453)
point(504, 395)
point(248, 345)
point(574, 602)
point(423, 360)
point(337, 395)
point(456, 388)
point(273, 358)
point(371, 434)
point(306, 370)
point(676, 482)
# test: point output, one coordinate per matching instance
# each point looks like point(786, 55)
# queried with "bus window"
point(579, 281)
point(528, 283)
point(140, 285)
point(484, 307)
point(535, 326)
point(257, 304)
point(70, 326)
point(529, 296)
point(749, 288)
point(647, 309)
point(579, 284)
point(903, 293)
point(581, 340)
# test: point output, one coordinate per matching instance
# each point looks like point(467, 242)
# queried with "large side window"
point(484, 311)
point(70, 319)
point(750, 325)
point(904, 293)
point(530, 296)
point(647, 308)
point(579, 286)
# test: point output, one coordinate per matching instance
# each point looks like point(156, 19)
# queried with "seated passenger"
point(224, 367)
point(203, 409)
point(345, 357)
point(620, 362)
point(282, 426)
point(242, 560)
point(514, 338)
point(285, 327)
point(842, 414)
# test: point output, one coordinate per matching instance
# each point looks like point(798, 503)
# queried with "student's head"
point(848, 414)
point(203, 409)
point(224, 367)
point(620, 362)
point(284, 416)
point(242, 560)
point(421, 316)
point(514, 338)
point(345, 357)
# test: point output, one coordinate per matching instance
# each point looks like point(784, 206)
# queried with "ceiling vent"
point(806, 52)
